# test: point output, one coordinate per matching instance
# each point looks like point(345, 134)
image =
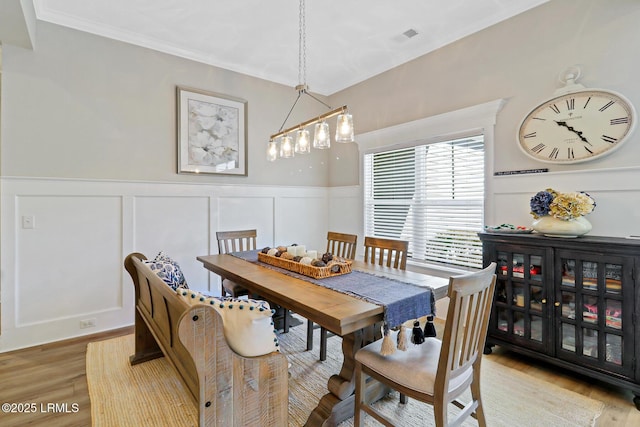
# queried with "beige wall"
point(519, 60)
point(83, 106)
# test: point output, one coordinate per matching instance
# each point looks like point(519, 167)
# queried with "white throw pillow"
point(248, 326)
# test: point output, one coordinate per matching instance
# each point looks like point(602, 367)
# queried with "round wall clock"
point(577, 126)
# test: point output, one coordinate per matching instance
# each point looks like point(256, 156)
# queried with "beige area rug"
point(150, 394)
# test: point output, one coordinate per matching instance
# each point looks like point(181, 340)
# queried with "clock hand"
point(577, 132)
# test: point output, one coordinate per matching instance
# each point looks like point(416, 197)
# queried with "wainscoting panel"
point(72, 253)
point(345, 213)
point(68, 270)
point(616, 192)
point(178, 226)
point(302, 220)
point(246, 213)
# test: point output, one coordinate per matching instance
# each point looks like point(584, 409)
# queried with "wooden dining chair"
point(437, 372)
point(387, 252)
point(344, 246)
point(235, 241)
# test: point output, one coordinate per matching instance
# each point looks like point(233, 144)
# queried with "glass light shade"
point(303, 143)
point(321, 138)
point(272, 151)
point(344, 128)
point(286, 147)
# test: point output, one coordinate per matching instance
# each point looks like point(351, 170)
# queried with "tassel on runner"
point(417, 337)
point(402, 339)
point(429, 328)
point(387, 344)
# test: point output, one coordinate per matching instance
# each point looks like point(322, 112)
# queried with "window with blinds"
point(431, 195)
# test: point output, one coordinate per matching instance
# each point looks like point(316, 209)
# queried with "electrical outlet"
point(88, 323)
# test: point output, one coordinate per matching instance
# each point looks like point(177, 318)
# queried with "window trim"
point(461, 123)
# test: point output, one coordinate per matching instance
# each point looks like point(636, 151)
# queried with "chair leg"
point(323, 344)
point(475, 395)
point(309, 335)
point(440, 413)
point(323, 340)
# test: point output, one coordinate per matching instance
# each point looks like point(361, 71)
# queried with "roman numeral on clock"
point(605, 106)
point(610, 139)
point(619, 121)
point(554, 108)
point(529, 135)
point(538, 148)
point(570, 153)
point(554, 153)
point(571, 103)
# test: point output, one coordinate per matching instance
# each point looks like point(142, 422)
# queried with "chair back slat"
point(465, 328)
point(236, 241)
point(387, 252)
point(342, 245)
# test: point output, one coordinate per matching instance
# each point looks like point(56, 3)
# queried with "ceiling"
point(347, 41)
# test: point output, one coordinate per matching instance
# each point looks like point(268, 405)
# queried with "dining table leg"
point(338, 405)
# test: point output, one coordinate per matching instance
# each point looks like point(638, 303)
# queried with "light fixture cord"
point(302, 63)
point(302, 56)
point(290, 111)
point(302, 45)
point(320, 101)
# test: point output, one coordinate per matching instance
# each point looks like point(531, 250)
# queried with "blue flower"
point(541, 202)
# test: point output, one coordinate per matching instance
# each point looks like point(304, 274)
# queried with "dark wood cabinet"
point(570, 302)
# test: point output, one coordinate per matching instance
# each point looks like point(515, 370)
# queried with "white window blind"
point(431, 195)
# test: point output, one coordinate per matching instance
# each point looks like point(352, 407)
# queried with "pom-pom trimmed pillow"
point(168, 270)
point(248, 326)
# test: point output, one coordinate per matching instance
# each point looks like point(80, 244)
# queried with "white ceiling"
point(348, 41)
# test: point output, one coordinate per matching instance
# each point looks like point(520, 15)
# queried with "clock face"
point(577, 127)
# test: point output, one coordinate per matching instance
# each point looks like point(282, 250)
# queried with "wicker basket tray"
point(335, 267)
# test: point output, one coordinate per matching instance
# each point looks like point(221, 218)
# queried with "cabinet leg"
point(636, 400)
point(487, 349)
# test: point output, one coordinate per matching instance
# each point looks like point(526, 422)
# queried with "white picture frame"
point(212, 133)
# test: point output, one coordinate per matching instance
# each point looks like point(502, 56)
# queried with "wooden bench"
point(229, 389)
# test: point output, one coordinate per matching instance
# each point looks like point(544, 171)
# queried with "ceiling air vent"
point(410, 33)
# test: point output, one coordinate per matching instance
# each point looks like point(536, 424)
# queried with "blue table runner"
point(401, 301)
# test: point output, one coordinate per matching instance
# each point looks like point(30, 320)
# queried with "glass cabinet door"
point(520, 305)
point(590, 315)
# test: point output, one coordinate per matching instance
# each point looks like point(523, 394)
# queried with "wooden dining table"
point(356, 320)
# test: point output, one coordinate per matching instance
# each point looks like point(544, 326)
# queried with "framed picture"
point(212, 133)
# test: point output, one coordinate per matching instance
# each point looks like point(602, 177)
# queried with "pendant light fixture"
point(322, 135)
point(321, 138)
point(344, 128)
point(286, 147)
point(303, 144)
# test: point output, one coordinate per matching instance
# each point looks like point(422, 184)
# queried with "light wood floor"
point(55, 373)
point(619, 410)
point(51, 373)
